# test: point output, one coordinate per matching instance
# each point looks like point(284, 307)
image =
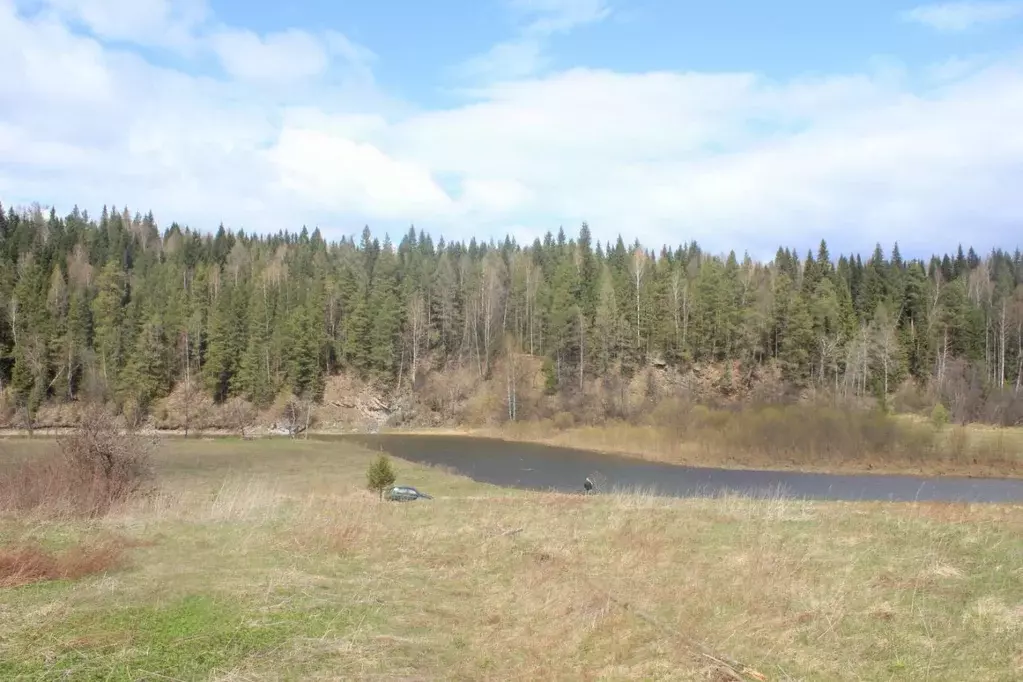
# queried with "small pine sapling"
point(380, 475)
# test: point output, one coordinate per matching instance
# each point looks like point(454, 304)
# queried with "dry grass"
point(92, 470)
point(22, 564)
point(798, 437)
point(268, 560)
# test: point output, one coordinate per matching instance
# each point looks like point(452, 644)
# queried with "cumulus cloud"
point(733, 160)
point(164, 23)
point(955, 17)
point(339, 174)
point(276, 56)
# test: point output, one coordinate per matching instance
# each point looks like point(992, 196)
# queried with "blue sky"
point(739, 124)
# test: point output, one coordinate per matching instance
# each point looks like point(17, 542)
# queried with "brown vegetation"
point(709, 414)
point(806, 437)
point(25, 563)
point(95, 468)
point(662, 415)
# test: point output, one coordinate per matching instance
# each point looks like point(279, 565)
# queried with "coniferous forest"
point(119, 309)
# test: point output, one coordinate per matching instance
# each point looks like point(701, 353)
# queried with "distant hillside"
point(166, 323)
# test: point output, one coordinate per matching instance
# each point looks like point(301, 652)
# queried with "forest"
point(120, 310)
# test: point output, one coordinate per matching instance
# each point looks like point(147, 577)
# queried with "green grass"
point(269, 560)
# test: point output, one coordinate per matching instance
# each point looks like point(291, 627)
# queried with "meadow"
point(269, 560)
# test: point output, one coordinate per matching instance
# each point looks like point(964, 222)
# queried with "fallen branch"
point(507, 533)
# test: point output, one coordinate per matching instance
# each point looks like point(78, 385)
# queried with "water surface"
point(544, 467)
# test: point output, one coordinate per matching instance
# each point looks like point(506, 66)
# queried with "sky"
point(740, 124)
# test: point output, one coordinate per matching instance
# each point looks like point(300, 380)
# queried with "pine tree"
point(304, 371)
point(254, 379)
point(798, 341)
point(146, 375)
point(225, 342)
point(385, 324)
point(115, 309)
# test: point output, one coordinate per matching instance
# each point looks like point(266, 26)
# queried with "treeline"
point(117, 309)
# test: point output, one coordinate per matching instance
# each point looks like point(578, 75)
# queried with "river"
point(542, 467)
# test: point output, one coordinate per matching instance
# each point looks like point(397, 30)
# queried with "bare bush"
point(801, 434)
point(96, 468)
point(188, 408)
point(296, 415)
point(6, 408)
point(239, 415)
point(911, 398)
point(967, 390)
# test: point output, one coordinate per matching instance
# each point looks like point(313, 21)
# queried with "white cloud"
point(955, 17)
point(166, 23)
point(186, 26)
point(490, 197)
point(284, 55)
point(729, 159)
point(337, 174)
point(551, 16)
point(504, 61)
point(525, 54)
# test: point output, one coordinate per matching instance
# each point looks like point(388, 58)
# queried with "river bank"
point(915, 449)
point(973, 452)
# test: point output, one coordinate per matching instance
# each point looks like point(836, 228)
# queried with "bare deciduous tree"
point(884, 344)
point(638, 268)
point(415, 332)
point(493, 290)
point(239, 415)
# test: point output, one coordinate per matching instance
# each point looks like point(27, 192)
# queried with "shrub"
point(296, 415)
point(939, 416)
point(95, 468)
point(380, 475)
point(238, 415)
point(564, 421)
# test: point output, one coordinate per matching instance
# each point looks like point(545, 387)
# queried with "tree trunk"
point(685, 316)
point(188, 385)
point(14, 320)
point(582, 338)
point(638, 341)
point(415, 348)
point(1019, 355)
point(1001, 348)
point(308, 414)
point(885, 395)
point(401, 367)
point(70, 361)
point(529, 305)
point(512, 383)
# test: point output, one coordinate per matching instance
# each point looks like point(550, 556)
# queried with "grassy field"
point(267, 560)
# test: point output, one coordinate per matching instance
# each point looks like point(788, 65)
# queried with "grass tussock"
point(794, 436)
point(26, 563)
point(91, 471)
